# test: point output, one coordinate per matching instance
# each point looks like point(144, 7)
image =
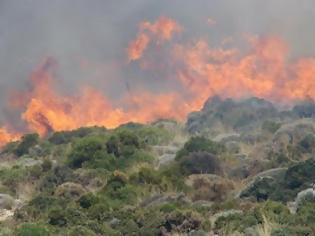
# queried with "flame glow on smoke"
point(201, 71)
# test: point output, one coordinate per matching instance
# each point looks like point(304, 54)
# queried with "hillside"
point(234, 168)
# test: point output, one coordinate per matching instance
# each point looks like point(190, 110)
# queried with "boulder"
point(6, 201)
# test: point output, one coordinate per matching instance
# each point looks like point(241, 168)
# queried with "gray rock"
point(6, 201)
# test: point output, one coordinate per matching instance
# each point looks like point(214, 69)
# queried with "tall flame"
point(6, 136)
point(162, 30)
point(199, 70)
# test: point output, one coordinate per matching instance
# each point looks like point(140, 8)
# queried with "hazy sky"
point(98, 32)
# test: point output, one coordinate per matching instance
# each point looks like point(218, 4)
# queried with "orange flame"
point(47, 111)
point(6, 136)
point(263, 72)
point(162, 30)
point(200, 71)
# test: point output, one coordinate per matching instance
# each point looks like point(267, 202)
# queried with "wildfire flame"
point(162, 30)
point(6, 136)
point(265, 70)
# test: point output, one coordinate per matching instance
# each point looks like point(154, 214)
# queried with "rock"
point(6, 201)
point(166, 158)
point(305, 195)
point(292, 133)
point(263, 184)
point(114, 222)
point(5, 215)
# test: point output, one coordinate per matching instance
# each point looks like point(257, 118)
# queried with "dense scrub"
point(97, 181)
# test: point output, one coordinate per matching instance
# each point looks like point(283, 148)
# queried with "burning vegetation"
point(263, 70)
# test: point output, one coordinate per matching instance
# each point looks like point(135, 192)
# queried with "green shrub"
point(57, 217)
point(63, 137)
point(167, 208)
point(88, 200)
point(308, 143)
point(11, 177)
point(200, 144)
point(271, 126)
point(46, 165)
point(100, 212)
point(27, 141)
point(39, 207)
point(146, 176)
point(56, 177)
point(85, 150)
point(119, 190)
point(32, 230)
point(200, 163)
point(81, 231)
point(236, 222)
point(300, 175)
point(75, 216)
point(35, 171)
point(123, 144)
point(276, 212)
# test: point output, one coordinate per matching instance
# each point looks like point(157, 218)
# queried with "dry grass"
point(266, 228)
point(25, 191)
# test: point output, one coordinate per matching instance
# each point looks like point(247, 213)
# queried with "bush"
point(200, 163)
point(100, 212)
point(88, 200)
point(32, 230)
point(39, 207)
point(301, 175)
point(216, 189)
point(276, 212)
point(271, 126)
point(28, 141)
point(55, 177)
point(63, 137)
point(81, 231)
point(146, 176)
point(200, 144)
point(57, 217)
point(308, 143)
point(46, 165)
point(235, 221)
point(305, 110)
point(118, 189)
point(70, 190)
point(261, 189)
point(123, 144)
point(306, 214)
point(86, 150)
